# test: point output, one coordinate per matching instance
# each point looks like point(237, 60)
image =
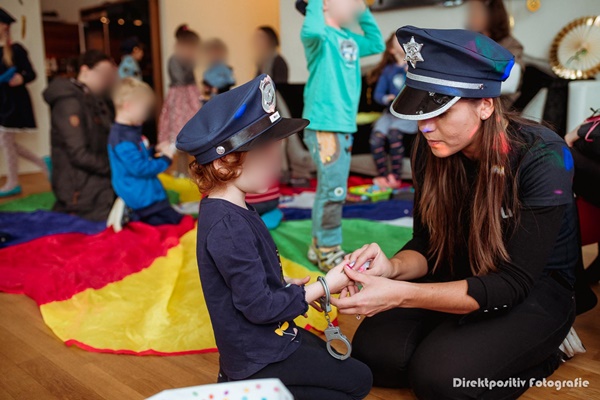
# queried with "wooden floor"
point(34, 364)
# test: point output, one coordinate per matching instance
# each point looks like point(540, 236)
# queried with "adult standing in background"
point(268, 59)
point(80, 123)
point(16, 112)
point(490, 18)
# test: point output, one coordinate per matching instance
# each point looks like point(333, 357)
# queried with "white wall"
point(535, 30)
point(38, 141)
point(234, 21)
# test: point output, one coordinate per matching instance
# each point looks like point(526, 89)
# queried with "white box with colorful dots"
point(261, 389)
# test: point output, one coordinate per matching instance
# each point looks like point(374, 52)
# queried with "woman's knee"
point(435, 374)
point(387, 360)
point(360, 380)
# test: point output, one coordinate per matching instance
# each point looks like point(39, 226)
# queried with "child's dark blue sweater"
point(134, 168)
point(251, 307)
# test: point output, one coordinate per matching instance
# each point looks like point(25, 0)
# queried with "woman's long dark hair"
point(498, 25)
point(444, 198)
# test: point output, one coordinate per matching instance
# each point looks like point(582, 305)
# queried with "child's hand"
point(337, 279)
point(389, 98)
point(166, 149)
point(361, 7)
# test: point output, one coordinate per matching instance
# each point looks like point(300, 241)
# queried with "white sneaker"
point(325, 260)
point(115, 217)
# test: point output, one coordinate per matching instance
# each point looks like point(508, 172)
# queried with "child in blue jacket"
point(133, 163)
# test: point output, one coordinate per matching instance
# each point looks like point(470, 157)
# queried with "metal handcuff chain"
point(332, 332)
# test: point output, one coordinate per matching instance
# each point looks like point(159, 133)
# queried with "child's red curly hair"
point(215, 174)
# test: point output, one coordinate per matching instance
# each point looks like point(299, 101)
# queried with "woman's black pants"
point(438, 355)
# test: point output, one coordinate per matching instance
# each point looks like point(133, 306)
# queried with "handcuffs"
point(332, 332)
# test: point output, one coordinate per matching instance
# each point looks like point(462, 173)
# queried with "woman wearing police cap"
point(483, 290)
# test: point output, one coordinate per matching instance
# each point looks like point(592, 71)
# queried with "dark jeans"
point(159, 213)
point(310, 373)
point(426, 350)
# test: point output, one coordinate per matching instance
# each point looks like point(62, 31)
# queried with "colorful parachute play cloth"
point(138, 291)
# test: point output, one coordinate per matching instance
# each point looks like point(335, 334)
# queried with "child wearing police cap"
point(234, 139)
point(331, 99)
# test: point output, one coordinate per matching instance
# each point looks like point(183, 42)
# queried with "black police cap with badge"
point(238, 120)
point(445, 65)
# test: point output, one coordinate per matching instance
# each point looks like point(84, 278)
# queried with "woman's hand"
point(16, 80)
point(380, 264)
point(572, 137)
point(378, 294)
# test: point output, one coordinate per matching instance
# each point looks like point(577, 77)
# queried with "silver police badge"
point(413, 52)
point(269, 98)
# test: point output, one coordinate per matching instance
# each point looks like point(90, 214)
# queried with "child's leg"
point(310, 373)
point(396, 151)
point(160, 213)
point(331, 153)
point(7, 142)
point(377, 142)
point(31, 156)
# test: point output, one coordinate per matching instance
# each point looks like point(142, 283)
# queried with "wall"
point(38, 141)
point(535, 30)
point(66, 10)
point(226, 19)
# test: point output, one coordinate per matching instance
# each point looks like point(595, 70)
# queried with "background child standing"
point(218, 77)
point(389, 76)
point(133, 53)
point(183, 98)
point(331, 100)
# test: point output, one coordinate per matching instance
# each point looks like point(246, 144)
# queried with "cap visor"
point(285, 127)
point(415, 104)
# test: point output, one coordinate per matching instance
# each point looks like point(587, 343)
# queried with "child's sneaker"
point(325, 260)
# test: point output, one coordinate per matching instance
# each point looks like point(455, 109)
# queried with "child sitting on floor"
point(235, 141)
point(389, 77)
point(134, 166)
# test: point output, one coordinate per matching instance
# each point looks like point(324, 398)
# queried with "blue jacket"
point(391, 81)
point(134, 167)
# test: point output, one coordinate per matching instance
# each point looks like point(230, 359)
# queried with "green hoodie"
point(332, 93)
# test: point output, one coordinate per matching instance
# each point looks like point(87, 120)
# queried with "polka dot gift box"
point(261, 389)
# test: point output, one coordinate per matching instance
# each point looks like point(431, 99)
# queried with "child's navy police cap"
point(445, 65)
point(238, 120)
